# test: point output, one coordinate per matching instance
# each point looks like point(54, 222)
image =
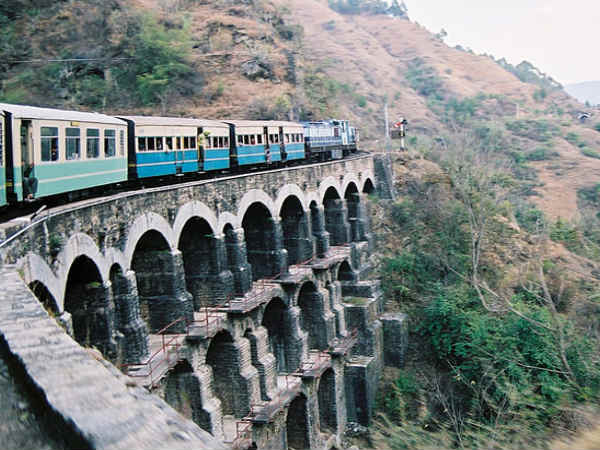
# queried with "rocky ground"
point(20, 421)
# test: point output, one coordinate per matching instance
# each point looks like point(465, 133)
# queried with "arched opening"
point(297, 424)
point(345, 272)
point(133, 345)
point(223, 357)
point(311, 306)
point(336, 222)
point(327, 402)
point(197, 246)
point(353, 204)
point(44, 297)
point(368, 188)
point(183, 393)
point(277, 323)
point(88, 302)
point(296, 234)
point(261, 241)
point(165, 304)
point(152, 261)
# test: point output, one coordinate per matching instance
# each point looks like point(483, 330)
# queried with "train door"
point(29, 180)
point(179, 154)
point(201, 143)
point(282, 145)
point(267, 145)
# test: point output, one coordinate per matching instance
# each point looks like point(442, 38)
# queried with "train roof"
point(174, 121)
point(263, 123)
point(33, 112)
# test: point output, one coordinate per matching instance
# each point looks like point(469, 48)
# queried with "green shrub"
point(597, 127)
point(541, 154)
point(590, 153)
point(537, 130)
point(424, 79)
point(361, 101)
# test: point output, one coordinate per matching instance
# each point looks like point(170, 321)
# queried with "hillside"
point(587, 91)
point(296, 59)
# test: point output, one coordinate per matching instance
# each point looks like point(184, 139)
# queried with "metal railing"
point(160, 362)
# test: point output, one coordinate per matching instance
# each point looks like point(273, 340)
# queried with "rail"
point(160, 361)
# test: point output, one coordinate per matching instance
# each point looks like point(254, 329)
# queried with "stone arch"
point(263, 242)
point(327, 402)
point(287, 191)
point(44, 296)
point(336, 217)
point(160, 282)
point(352, 197)
point(133, 345)
point(35, 269)
point(183, 393)
point(297, 424)
point(226, 218)
point(224, 359)
point(199, 250)
point(368, 186)
point(256, 196)
point(350, 178)
point(327, 184)
point(312, 310)
point(297, 238)
point(143, 224)
point(191, 210)
point(276, 319)
point(345, 272)
point(88, 301)
point(80, 244)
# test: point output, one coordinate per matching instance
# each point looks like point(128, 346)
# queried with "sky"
point(559, 37)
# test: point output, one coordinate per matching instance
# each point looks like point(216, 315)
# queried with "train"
point(50, 152)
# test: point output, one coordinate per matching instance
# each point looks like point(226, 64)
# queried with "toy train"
point(48, 152)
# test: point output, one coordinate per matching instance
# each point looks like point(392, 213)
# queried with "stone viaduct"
point(244, 302)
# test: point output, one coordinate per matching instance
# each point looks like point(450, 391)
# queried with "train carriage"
point(3, 200)
point(254, 142)
point(292, 140)
point(50, 152)
point(162, 146)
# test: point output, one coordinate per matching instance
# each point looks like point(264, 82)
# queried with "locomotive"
point(49, 152)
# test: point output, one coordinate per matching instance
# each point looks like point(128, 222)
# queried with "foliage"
point(528, 73)
point(540, 94)
point(392, 8)
point(538, 130)
point(494, 372)
point(597, 127)
point(590, 153)
point(424, 79)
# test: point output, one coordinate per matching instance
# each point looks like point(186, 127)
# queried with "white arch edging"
point(147, 222)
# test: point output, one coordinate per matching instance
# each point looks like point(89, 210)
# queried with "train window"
point(192, 142)
point(142, 144)
point(49, 143)
point(110, 145)
point(73, 141)
point(287, 138)
point(159, 143)
point(259, 139)
point(226, 142)
point(240, 139)
point(207, 143)
point(246, 140)
point(169, 143)
point(92, 143)
point(177, 143)
point(150, 143)
point(122, 143)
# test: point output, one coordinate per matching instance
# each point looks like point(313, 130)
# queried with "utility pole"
point(388, 142)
